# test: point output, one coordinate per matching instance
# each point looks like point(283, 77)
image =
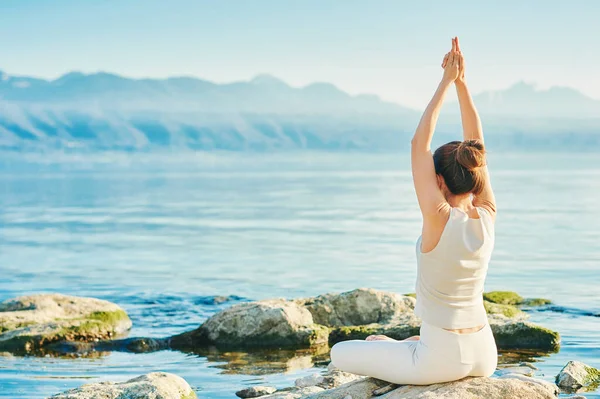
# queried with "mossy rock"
point(506, 310)
point(536, 302)
point(32, 322)
point(398, 331)
point(512, 298)
point(576, 375)
point(503, 297)
point(524, 335)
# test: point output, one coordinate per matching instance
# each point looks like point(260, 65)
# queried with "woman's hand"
point(461, 60)
point(451, 65)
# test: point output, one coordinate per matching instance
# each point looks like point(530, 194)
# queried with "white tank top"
point(450, 278)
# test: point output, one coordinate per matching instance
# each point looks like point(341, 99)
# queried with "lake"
point(163, 235)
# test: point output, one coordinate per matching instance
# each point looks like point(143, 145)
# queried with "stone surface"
point(309, 381)
point(148, 386)
point(29, 323)
point(511, 334)
point(295, 393)
point(576, 374)
point(467, 388)
point(357, 307)
point(255, 391)
point(274, 322)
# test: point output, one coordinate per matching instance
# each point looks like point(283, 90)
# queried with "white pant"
point(438, 356)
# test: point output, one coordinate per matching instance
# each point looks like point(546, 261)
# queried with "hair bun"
point(471, 154)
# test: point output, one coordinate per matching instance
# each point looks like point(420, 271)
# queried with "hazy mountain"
point(106, 111)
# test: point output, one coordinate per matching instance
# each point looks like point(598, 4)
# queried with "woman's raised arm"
point(470, 118)
point(431, 198)
point(472, 130)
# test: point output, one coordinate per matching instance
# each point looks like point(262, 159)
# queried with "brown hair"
point(460, 164)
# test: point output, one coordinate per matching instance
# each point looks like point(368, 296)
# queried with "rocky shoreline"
point(59, 324)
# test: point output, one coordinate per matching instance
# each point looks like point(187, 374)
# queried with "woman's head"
point(460, 164)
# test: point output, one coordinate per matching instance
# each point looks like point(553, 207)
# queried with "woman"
point(458, 207)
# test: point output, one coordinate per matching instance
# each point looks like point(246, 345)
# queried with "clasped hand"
point(454, 64)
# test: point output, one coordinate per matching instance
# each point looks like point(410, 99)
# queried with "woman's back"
point(451, 277)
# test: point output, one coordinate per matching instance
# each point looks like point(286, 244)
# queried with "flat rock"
point(274, 322)
point(295, 393)
point(467, 388)
point(148, 386)
point(576, 375)
point(29, 323)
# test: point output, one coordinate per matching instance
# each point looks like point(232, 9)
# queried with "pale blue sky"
point(389, 48)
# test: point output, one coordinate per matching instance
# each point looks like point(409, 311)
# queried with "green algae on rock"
point(32, 322)
point(506, 310)
point(576, 375)
point(523, 335)
point(512, 298)
point(148, 386)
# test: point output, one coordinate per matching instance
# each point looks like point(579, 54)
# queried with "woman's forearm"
point(470, 118)
point(426, 127)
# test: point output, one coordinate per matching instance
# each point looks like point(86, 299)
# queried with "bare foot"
point(379, 338)
point(413, 338)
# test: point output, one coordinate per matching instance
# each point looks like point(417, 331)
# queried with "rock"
point(148, 386)
point(511, 334)
point(576, 374)
point(274, 322)
point(294, 393)
point(357, 307)
point(31, 322)
point(403, 326)
point(470, 387)
point(536, 302)
point(509, 311)
point(335, 378)
point(515, 370)
point(550, 387)
point(512, 298)
point(309, 381)
point(255, 392)
point(350, 315)
point(359, 389)
point(503, 297)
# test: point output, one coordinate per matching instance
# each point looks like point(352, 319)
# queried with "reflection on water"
point(263, 361)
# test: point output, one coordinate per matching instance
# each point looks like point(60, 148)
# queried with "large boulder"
point(29, 323)
point(335, 384)
point(576, 375)
point(274, 322)
point(357, 307)
point(148, 386)
point(520, 387)
point(519, 334)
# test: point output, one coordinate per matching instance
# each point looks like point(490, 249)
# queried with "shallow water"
point(163, 235)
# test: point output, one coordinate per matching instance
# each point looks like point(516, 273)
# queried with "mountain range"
point(104, 111)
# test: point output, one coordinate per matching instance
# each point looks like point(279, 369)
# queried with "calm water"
point(163, 235)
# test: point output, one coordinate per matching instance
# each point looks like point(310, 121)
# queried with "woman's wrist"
point(446, 82)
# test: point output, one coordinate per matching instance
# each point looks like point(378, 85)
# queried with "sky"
point(389, 48)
